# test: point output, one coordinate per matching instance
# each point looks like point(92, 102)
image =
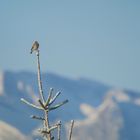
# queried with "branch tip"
point(58, 105)
point(71, 128)
point(30, 104)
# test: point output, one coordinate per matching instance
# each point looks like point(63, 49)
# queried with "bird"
point(35, 47)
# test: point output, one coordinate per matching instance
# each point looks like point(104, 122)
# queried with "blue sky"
point(96, 39)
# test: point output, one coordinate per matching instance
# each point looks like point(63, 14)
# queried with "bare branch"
point(58, 105)
point(39, 78)
point(30, 104)
point(53, 127)
point(38, 118)
point(47, 125)
point(49, 97)
point(71, 128)
point(42, 105)
point(59, 130)
point(54, 98)
point(43, 131)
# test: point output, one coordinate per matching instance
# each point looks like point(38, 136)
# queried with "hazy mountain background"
point(101, 112)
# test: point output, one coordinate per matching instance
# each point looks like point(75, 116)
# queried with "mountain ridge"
point(84, 96)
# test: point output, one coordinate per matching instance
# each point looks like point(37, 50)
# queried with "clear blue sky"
point(97, 39)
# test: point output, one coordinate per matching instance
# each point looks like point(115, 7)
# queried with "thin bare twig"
point(39, 78)
point(46, 123)
point(41, 104)
point(53, 127)
point(38, 118)
point(49, 97)
point(71, 128)
point(59, 130)
point(58, 105)
point(30, 104)
point(54, 98)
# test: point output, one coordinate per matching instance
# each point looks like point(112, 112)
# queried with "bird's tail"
point(31, 52)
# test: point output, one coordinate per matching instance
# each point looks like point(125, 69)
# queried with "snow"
point(8, 132)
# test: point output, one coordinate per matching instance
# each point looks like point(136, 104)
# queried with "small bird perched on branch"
point(35, 47)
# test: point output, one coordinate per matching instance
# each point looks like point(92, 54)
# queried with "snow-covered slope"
point(101, 112)
point(8, 132)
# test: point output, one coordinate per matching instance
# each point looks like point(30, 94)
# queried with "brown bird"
point(35, 47)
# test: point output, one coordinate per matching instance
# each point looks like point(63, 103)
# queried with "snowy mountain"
point(100, 112)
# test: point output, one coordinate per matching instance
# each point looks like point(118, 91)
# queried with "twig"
point(58, 105)
point(59, 130)
point(46, 123)
point(41, 104)
point(71, 128)
point(53, 127)
point(54, 98)
point(38, 118)
point(30, 104)
point(39, 78)
point(49, 97)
